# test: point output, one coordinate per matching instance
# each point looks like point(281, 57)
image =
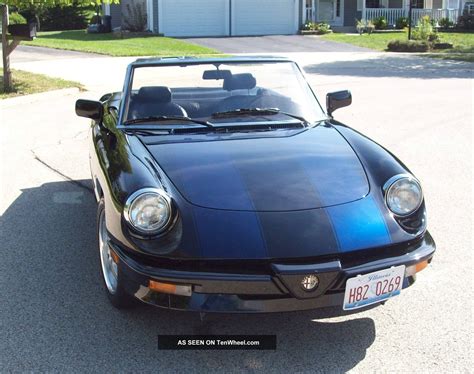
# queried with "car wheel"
point(109, 268)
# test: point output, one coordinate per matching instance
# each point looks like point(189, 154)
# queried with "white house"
point(194, 18)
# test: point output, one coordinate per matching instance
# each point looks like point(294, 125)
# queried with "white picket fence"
point(392, 14)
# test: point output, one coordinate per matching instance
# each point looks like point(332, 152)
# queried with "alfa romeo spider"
point(224, 186)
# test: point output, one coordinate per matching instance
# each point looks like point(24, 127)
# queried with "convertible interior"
point(236, 92)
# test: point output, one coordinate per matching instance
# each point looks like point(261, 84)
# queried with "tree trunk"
point(7, 74)
point(38, 24)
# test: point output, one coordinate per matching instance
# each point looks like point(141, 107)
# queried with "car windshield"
point(220, 93)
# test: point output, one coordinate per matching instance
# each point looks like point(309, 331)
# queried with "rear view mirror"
point(336, 100)
point(216, 74)
point(89, 109)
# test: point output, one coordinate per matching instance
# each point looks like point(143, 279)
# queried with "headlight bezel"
point(392, 182)
point(143, 191)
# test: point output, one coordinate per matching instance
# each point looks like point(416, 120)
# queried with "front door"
point(330, 11)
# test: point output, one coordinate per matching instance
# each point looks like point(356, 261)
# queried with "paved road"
point(275, 44)
point(54, 315)
point(25, 53)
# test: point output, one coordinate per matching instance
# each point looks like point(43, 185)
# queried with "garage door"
point(264, 17)
point(193, 17)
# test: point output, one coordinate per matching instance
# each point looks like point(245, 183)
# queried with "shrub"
point(360, 26)
point(466, 22)
point(320, 28)
point(401, 23)
point(370, 27)
point(58, 18)
point(136, 18)
point(364, 26)
point(380, 23)
point(408, 46)
point(95, 19)
point(16, 19)
point(323, 28)
point(424, 31)
point(442, 46)
point(445, 23)
point(308, 26)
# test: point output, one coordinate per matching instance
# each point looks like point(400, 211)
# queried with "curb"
point(28, 99)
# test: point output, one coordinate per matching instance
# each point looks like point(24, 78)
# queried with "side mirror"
point(89, 109)
point(336, 100)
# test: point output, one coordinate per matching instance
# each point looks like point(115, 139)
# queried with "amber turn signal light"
point(114, 256)
point(416, 268)
point(170, 288)
point(421, 265)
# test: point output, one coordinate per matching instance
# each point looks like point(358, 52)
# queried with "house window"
point(418, 4)
point(372, 4)
point(338, 8)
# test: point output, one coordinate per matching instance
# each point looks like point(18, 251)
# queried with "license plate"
point(373, 288)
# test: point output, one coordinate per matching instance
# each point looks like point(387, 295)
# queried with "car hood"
point(308, 169)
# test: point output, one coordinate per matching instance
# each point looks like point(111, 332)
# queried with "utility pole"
point(7, 74)
point(410, 7)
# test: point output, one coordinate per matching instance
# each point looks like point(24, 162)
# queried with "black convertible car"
point(223, 186)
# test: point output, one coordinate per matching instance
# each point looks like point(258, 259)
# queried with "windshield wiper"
point(167, 118)
point(143, 132)
point(256, 111)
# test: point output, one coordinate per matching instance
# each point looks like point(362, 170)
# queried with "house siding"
point(300, 6)
point(437, 4)
point(155, 16)
point(116, 14)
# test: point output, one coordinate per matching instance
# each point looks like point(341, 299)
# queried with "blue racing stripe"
point(359, 225)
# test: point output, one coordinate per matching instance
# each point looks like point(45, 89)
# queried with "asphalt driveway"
point(275, 44)
point(54, 315)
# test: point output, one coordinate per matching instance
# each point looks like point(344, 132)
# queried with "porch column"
point(445, 8)
point(149, 15)
point(406, 7)
point(364, 12)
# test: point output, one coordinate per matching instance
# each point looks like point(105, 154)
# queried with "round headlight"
point(404, 195)
point(148, 210)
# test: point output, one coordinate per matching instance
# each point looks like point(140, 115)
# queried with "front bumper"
point(277, 291)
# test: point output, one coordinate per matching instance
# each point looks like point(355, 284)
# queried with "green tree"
point(9, 46)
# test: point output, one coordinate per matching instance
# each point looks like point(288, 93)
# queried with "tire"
point(111, 274)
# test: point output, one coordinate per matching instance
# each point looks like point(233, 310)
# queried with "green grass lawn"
point(463, 42)
point(25, 83)
point(111, 44)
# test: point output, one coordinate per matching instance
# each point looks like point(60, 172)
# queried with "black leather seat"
point(153, 101)
point(235, 82)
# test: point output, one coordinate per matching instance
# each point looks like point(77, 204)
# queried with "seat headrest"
point(244, 81)
point(157, 94)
